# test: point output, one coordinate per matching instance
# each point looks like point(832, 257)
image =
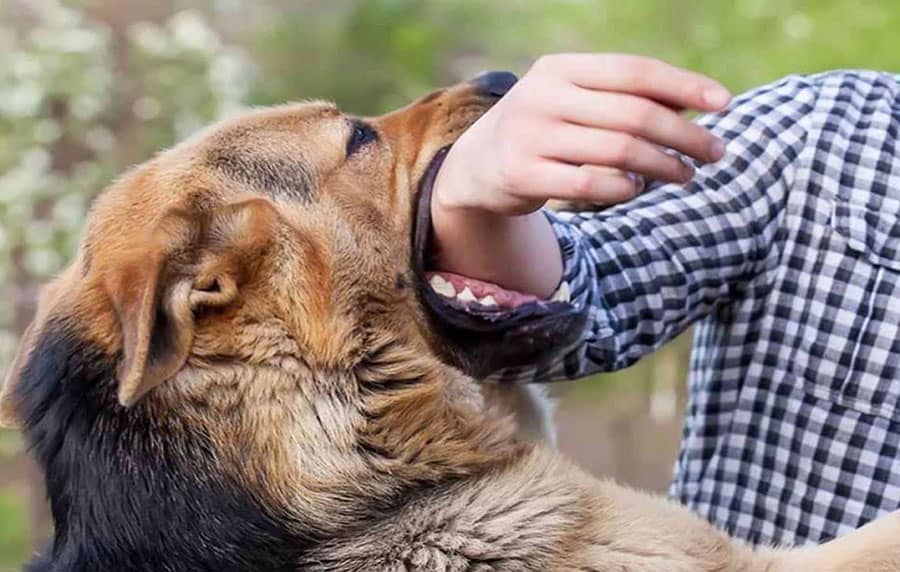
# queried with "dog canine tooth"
point(442, 287)
point(466, 296)
point(488, 301)
point(562, 293)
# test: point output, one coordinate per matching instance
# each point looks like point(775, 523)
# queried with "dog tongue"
point(480, 290)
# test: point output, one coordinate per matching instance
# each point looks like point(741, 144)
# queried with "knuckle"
point(553, 65)
point(645, 64)
point(529, 99)
point(621, 150)
point(509, 169)
point(693, 93)
point(631, 75)
point(637, 69)
point(675, 167)
point(582, 183)
point(508, 109)
point(628, 70)
point(702, 141)
point(523, 102)
point(643, 115)
point(545, 63)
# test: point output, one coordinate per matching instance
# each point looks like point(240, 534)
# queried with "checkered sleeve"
point(647, 269)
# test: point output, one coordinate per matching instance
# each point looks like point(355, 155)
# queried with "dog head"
point(250, 308)
point(293, 223)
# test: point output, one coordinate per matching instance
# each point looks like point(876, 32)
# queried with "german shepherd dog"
point(242, 370)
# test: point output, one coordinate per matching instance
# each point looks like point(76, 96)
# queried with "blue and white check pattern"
point(786, 256)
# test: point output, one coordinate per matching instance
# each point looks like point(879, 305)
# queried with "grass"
point(14, 525)
point(13, 531)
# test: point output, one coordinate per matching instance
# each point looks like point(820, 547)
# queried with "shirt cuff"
point(578, 288)
point(573, 287)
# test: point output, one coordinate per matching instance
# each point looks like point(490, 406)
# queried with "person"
point(772, 224)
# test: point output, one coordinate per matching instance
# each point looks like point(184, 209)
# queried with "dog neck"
point(341, 448)
point(429, 419)
point(135, 489)
point(209, 459)
point(332, 443)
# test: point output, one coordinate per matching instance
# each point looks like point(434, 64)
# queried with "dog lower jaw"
point(467, 302)
point(478, 337)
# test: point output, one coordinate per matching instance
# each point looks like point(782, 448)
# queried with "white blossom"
point(146, 108)
point(43, 262)
point(66, 59)
point(86, 106)
point(190, 31)
point(149, 38)
point(47, 131)
point(21, 100)
point(100, 139)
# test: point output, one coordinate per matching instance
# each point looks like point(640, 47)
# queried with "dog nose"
point(495, 83)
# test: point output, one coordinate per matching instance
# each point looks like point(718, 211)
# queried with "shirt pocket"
point(871, 234)
point(867, 227)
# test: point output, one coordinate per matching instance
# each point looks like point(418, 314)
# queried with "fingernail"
point(687, 172)
point(637, 180)
point(716, 149)
point(716, 96)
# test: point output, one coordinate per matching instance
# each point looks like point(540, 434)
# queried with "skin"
point(582, 127)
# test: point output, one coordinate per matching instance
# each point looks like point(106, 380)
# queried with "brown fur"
point(257, 285)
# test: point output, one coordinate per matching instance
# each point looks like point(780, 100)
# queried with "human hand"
point(585, 127)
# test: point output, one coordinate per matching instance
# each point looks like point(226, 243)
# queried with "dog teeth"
point(562, 293)
point(488, 301)
point(442, 287)
point(466, 296)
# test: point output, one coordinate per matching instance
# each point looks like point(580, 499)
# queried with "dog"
point(245, 368)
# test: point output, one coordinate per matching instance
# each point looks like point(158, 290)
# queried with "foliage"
point(79, 102)
point(372, 55)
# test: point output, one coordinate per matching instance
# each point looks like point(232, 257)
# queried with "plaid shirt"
point(786, 256)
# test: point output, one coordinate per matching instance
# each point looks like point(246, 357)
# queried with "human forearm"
point(516, 252)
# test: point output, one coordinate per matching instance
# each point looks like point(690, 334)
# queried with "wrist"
point(453, 187)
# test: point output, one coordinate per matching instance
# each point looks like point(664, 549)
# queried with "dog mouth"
point(487, 326)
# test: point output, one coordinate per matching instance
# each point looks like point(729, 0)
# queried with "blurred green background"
point(90, 87)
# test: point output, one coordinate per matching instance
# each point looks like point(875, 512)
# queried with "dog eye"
point(361, 135)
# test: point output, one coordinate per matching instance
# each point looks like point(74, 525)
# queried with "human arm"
point(647, 269)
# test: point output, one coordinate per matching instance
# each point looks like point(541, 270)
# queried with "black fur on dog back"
point(130, 492)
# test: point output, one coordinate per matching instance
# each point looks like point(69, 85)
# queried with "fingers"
point(574, 128)
point(612, 186)
point(641, 117)
point(602, 185)
point(646, 77)
point(583, 145)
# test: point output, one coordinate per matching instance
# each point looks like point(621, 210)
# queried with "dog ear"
point(188, 262)
point(152, 304)
point(156, 301)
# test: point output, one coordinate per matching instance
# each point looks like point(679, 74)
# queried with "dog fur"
point(237, 373)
